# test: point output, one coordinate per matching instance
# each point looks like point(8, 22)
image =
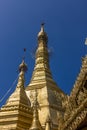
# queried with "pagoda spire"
point(42, 80)
point(22, 70)
point(35, 123)
point(42, 36)
point(42, 27)
point(42, 56)
point(42, 68)
point(17, 110)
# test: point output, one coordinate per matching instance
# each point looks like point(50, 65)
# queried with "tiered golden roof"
point(43, 105)
point(16, 114)
point(49, 94)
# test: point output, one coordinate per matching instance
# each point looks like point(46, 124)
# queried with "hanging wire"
point(9, 90)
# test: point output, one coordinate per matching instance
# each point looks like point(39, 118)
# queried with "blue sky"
point(66, 26)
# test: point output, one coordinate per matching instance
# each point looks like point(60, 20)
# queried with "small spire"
point(21, 78)
point(35, 124)
point(35, 104)
point(23, 66)
point(42, 34)
point(22, 69)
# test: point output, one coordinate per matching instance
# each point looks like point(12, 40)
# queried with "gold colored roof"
point(16, 113)
point(42, 75)
point(49, 94)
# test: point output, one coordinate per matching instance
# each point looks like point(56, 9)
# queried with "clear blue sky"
point(66, 26)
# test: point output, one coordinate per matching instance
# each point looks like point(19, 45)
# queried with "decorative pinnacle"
point(42, 34)
point(35, 104)
point(23, 65)
point(35, 124)
point(42, 24)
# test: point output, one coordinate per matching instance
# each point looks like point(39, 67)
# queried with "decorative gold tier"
point(49, 94)
point(16, 114)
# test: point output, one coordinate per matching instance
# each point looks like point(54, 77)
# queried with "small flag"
point(86, 41)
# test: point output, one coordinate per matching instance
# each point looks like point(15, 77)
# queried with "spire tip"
point(42, 27)
point(42, 24)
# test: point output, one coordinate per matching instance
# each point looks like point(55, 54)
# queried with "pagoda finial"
point(42, 34)
point(23, 66)
point(21, 78)
point(42, 26)
point(22, 69)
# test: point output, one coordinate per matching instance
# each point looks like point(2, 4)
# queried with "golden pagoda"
point(49, 95)
point(16, 114)
point(42, 105)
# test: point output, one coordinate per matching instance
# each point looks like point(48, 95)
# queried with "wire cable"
point(8, 90)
